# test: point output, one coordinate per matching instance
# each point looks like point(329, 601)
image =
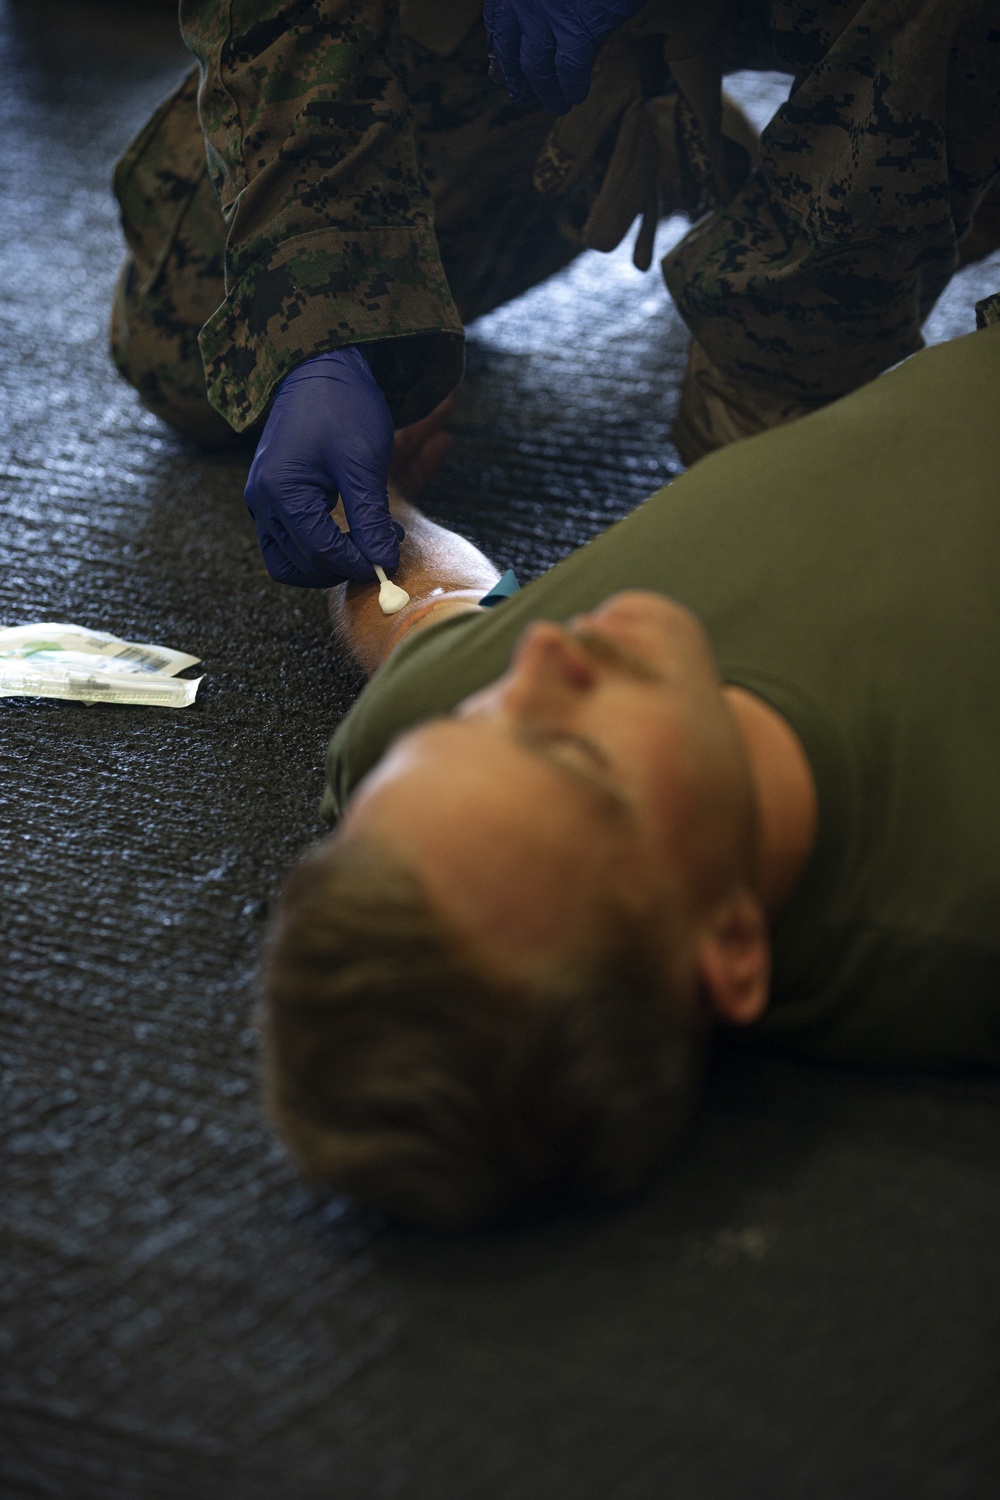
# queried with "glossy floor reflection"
point(807, 1304)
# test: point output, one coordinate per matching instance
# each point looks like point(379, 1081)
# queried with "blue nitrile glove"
point(329, 432)
point(545, 48)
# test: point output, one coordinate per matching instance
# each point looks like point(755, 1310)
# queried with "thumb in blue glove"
point(545, 48)
point(329, 432)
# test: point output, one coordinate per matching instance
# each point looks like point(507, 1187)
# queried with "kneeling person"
point(733, 761)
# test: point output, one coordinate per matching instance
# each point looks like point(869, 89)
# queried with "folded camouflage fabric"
point(354, 178)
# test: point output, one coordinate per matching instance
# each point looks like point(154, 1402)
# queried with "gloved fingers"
point(329, 431)
point(317, 555)
point(286, 564)
point(537, 60)
point(505, 46)
point(358, 467)
point(545, 48)
point(574, 61)
point(321, 550)
point(373, 534)
point(365, 498)
point(280, 567)
point(489, 21)
point(295, 516)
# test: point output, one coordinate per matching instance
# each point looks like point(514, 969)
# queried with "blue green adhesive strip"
point(501, 590)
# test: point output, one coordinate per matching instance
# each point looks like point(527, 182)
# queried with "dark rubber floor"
point(807, 1304)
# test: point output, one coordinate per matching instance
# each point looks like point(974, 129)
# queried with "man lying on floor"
point(737, 761)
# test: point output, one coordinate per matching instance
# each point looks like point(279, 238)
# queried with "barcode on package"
point(149, 659)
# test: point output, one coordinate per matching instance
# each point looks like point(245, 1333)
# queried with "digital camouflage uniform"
point(341, 173)
point(819, 273)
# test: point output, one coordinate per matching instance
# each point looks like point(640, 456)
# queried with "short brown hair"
point(401, 1073)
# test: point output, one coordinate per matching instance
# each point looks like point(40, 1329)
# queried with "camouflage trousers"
point(812, 278)
point(497, 235)
point(819, 272)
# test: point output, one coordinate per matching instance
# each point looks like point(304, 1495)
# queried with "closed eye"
point(576, 756)
point(577, 759)
point(576, 748)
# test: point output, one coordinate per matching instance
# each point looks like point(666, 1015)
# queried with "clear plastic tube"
point(21, 680)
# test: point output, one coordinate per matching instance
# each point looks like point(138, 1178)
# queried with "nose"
point(548, 659)
point(548, 670)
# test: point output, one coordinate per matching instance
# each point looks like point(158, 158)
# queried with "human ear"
point(733, 957)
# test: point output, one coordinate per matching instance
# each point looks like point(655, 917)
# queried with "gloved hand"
point(546, 47)
point(329, 431)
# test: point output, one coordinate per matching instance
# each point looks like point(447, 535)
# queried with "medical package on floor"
point(56, 660)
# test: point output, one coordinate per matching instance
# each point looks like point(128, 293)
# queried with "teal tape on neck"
point(501, 590)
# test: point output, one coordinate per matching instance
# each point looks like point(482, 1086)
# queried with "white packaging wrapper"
point(54, 659)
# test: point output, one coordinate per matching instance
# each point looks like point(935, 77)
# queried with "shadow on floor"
point(806, 1306)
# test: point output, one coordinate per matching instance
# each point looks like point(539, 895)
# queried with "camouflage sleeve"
point(331, 242)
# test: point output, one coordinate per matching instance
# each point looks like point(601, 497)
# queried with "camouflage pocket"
point(158, 178)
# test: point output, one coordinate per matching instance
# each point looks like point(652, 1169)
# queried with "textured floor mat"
point(807, 1305)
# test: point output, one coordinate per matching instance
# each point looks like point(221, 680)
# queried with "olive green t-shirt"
point(847, 569)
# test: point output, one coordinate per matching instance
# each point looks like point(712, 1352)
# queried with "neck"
point(785, 793)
